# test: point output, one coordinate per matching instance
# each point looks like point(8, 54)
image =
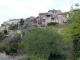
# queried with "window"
point(52, 18)
point(48, 15)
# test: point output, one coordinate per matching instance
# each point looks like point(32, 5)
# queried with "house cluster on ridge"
point(26, 22)
point(40, 21)
point(51, 16)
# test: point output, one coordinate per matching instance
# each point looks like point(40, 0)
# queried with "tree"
point(73, 32)
point(43, 43)
point(77, 5)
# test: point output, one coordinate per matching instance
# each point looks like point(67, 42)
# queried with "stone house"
point(51, 16)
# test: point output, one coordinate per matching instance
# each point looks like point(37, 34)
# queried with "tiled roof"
point(43, 13)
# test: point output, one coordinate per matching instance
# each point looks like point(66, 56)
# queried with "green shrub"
point(4, 48)
point(52, 23)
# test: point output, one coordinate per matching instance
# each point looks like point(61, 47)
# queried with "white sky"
point(10, 9)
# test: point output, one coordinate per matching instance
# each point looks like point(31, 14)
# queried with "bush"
point(52, 23)
point(15, 39)
point(14, 47)
point(4, 48)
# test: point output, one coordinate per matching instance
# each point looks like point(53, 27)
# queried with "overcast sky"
point(10, 9)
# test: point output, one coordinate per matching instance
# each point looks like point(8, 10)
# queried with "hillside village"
point(40, 21)
point(20, 26)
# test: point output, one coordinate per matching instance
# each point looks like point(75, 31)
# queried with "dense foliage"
point(42, 42)
point(4, 48)
point(14, 47)
point(74, 31)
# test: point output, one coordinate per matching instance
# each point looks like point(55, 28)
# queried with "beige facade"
point(2, 29)
point(50, 16)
